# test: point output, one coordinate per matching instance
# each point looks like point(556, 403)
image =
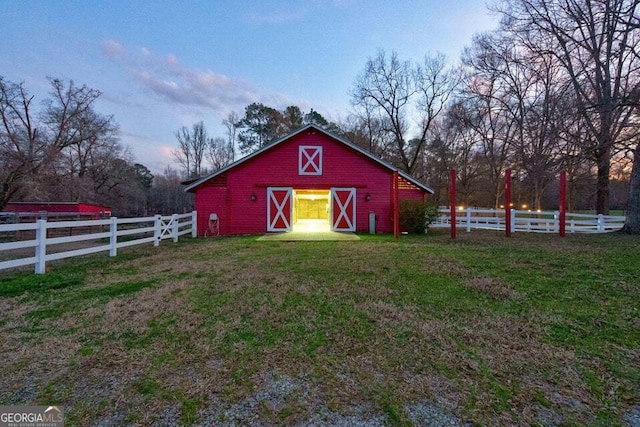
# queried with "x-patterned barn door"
point(343, 209)
point(279, 208)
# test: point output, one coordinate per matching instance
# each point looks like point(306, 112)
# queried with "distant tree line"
point(198, 154)
point(555, 87)
point(66, 151)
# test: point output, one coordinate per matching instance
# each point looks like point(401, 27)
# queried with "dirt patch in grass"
point(494, 288)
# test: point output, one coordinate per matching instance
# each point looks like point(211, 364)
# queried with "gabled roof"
point(274, 144)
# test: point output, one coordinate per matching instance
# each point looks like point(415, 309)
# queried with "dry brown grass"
point(493, 287)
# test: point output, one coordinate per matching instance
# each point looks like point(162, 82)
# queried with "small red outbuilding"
point(310, 178)
point(59, 207)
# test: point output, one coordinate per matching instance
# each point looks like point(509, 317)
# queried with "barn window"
point(310, 160)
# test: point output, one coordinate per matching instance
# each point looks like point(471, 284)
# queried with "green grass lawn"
point(230, 331)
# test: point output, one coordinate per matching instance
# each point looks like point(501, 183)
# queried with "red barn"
point(309, 178)
point(59, 207)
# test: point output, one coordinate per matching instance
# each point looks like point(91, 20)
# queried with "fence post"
point(113, 236)
point(194, 224)
point(507, 202)
point(468, 220)
point(600, 223)
point(41, 249)
point(563, 204)
point(556, 221)
point(513, 220)
point(174, 227)
point(157, 225)
point(452, 203)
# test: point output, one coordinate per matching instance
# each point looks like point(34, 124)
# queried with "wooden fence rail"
point(528, 221)
point(151, 229)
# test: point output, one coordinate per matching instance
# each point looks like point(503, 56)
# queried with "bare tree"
point(167, 195)
point(454, 145)
point(539, 144)
point(595, 41)
point(29, 142)
point(367, 130)
point(438, 159)
point(183, 154)
point(219, 153)
point(230, 125)
point(200, 141)
point(405, 96)
point(632, 220)
point(536, 91)
point(487, 107)
point(79, 160)
point(192, 147)
point(114, 182)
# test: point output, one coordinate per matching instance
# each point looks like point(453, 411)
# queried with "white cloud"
point(112, 49)
point(171, 59)
point(177, 84)
point(166, 152)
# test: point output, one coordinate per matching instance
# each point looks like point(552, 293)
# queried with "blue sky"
point(162, 65)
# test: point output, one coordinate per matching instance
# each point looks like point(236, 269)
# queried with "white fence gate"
point(151, 229)
point(528, 221)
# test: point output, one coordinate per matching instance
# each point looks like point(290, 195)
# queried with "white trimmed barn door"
point(279, 205)
point(343, 209)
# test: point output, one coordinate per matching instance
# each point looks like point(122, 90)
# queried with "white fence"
point(151, 229)
point(528, 221)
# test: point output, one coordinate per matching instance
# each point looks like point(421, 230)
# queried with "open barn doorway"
point(311, 210)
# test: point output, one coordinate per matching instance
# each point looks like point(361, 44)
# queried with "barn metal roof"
point(277, 142)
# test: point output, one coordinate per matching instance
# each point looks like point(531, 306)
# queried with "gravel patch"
point(25, 394)
point(548, 417)
point(360, 419)
point(272, 396)
point(632, 419)
point(111, 420)
point(277, 391)
point(428, 414)
point(168, 417)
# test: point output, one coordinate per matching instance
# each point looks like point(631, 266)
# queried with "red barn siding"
point(231, 198)
point(56, 207)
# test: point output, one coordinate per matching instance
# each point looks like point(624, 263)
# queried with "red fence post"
point(507, 201)
point(563, 203)
point(396, 205)
point(452, 201)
